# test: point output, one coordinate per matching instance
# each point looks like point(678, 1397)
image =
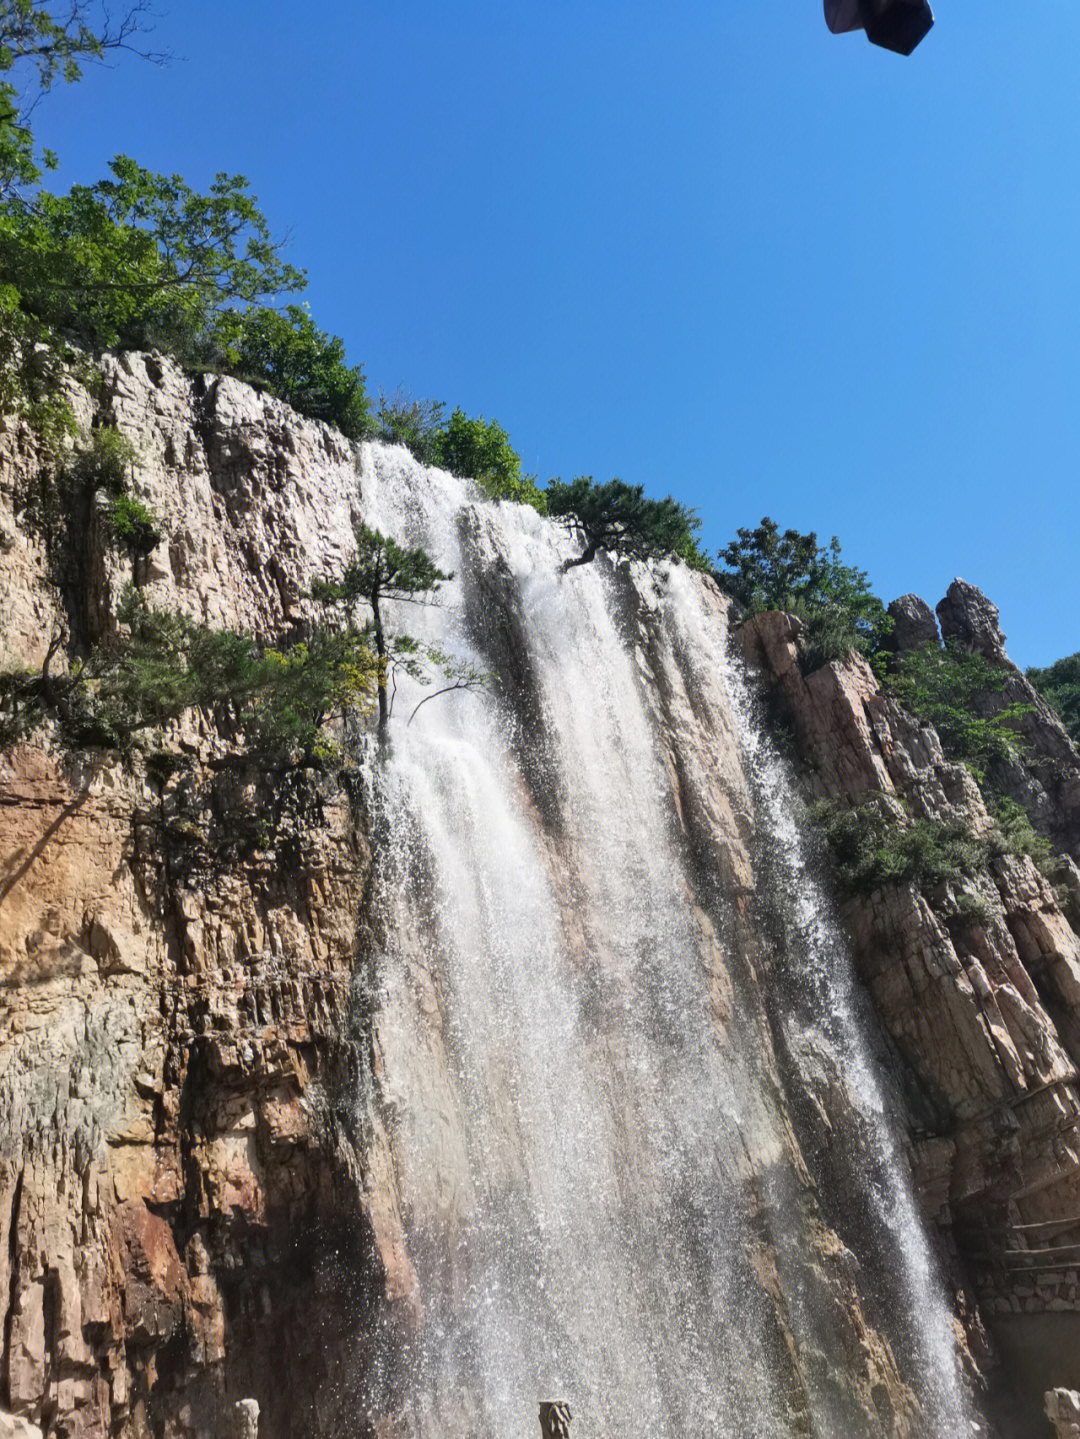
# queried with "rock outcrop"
point(180, 1204)
point(1045, 777)
point(978, 985)
point(913, 623)
point(1063, 1411)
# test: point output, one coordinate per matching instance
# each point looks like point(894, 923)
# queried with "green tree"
point(291, 357)
point(41, 43)
point(382, 570)
point(620, 517)
point(417, 424)
point(772, 570)
point(52, 40)
point(169, 664)
point(480, 450)
point(140, 258)
point(946, 686)
point(1059, 684)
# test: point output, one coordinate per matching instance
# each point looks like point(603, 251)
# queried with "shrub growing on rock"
point(168, 665)
point(874, 844)
point(1059, 684)
point(417, 424)
point(944, 685)
point(772, 570)
point(286, 353)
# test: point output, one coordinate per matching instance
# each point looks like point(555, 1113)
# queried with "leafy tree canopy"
point(289, 355)
point(139, 260)
point(1059, 683)
point(620, 517)
point(772, 570)
point(480, 450)
point(51, 40)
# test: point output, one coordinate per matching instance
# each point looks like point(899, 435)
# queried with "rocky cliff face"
point(980, 1004)
point(175, 1218)
point(205, 1186)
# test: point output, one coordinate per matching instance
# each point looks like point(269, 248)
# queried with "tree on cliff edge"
point(770, 569)
point(617, 516)
point(382, 570)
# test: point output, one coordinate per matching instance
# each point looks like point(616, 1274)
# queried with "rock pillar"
point(555, 1421)
point(245, 1417)
point(1063, 1411)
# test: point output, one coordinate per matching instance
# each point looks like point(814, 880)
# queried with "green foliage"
point(480, 450)
point(789, 571)
point(691, 553)
point(417, 424)
point(51, 40)
point(1016, 833)
point(475, 449)
point(944, 686)
point(873, 845)
point(169, 665)
point(132, 526)
point(39, 44)
point(286, 353)
point(107, 461)
point(878, 843)
point(617, 516)
point(139, 258)
point(382, 569)
point(520, 490)
point(1059, 684)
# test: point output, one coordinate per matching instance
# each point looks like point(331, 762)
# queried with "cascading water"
point(591, 1145)
point(830, 1021)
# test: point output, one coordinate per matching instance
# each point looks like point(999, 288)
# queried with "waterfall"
point(832, 1019)
point(594, 1153)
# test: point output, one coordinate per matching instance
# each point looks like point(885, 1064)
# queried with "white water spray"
point(591, 1170)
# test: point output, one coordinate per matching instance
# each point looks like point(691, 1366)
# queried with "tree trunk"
point(583, 559)
point(380, 650)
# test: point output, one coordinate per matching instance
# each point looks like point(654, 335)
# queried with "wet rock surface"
point(980, 999)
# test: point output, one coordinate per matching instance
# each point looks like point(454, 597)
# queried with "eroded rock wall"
point(981, 1000)
point(190, 1212)
point(181, 1203)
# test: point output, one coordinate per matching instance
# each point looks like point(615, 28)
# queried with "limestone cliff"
point(172, 1223)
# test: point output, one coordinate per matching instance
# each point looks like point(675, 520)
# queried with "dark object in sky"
point(895, 24)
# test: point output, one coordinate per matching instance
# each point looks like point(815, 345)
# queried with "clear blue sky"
point(707, 247)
